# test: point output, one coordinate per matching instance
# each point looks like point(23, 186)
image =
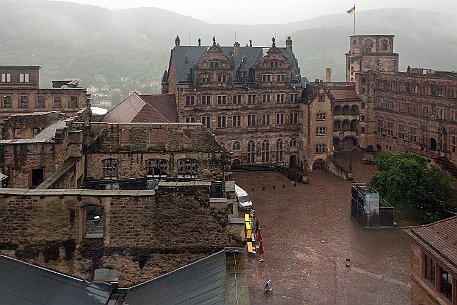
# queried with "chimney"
point(328, 75)
point(250, 43)
point(236, 49)
point(289, 43)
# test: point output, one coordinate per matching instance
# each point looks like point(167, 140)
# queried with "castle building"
point(247, 96)
point(412, 111)
point(20, 94)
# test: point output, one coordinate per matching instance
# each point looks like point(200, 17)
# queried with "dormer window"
point(206, 78)
point(274, 64)
point(214, 64)
point(24, 78)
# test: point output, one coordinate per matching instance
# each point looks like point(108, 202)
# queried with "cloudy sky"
point(269, 11)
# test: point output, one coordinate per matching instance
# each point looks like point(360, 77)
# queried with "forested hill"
point(99, 46)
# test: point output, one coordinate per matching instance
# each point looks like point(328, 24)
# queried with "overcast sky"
point(269, 11)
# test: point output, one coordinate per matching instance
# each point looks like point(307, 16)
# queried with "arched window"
point(251, 152)
point(384, 45)
point(346, 125)
point(354, 110)
point(265, 151)
point(236, 145)
point(368, 45)
point(345, 110)
point(354, 124)
point(293, 142)
point(337, 110)
point(279, 150)
point(337, 125)
point(156, 167)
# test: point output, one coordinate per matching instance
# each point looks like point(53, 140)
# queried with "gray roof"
point(202, 283)
point(185, 58)
point(25, 284)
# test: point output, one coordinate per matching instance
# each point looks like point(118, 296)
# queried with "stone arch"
point(319, 165)
point(349, 143)
point(337, 110)
point(354, 110)
point(354, 124)
point(346, 110)
point(337, 125)
point(378, 147)
point(346, 125)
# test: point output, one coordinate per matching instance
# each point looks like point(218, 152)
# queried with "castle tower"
point(370, 53)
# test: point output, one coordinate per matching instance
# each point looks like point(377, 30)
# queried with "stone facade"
point(141, 234)
point(330, 122)
point(20, 93)
point(247, 96)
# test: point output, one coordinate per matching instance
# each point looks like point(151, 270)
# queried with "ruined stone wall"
point(28, 125)
point(144, 235)
point(18, 160)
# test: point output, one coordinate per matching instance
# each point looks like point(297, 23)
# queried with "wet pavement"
point(308, 235)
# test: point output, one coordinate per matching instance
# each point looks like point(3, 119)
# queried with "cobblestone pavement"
point(308, 235)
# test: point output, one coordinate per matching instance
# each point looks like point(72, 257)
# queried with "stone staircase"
point(446, 165)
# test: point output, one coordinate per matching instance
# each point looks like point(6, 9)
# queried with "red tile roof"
point(344, 94)
point(439, 238)
point(158, 108)
point(164, 103)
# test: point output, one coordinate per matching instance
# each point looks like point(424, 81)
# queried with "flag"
point(351, 10)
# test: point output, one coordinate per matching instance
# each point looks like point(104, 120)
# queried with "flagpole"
point(354, 17)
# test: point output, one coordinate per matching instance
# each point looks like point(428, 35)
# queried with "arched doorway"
point(319, 165)
point(432, 144)
point(336, 144)
point(349, 143)
point(378, 147)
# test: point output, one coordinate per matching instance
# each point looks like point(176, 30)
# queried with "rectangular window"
point(251, 120)
point(221, 121)
point(214, 64)
point(94, 221)
point(205, 78)
point(293, 97)
point(294, 118)
point(321, 116)
point(24, 78)
point(206, 121)
point(280, 78)
point(320, 131)
point(321, 97)
point(265, 119)
point(6, 78)
point(236, 120)
point(189, 119)
point(206, 100)
point(266, 77)
point(266, 98)
point(401, 131)
point(251, 98)
point(73, 102)
point(6, 101)
point(237, 99)
point(440, 113)
point(390, 127)
point(17, 133)
point(320, 148)
point(413, 134)
point(221, 99)
point(57, 102)
point(380, 126)
point(279, 118)
point(453, 115)
point(40, 103)
point(446, 284)
point(190, 100)
point(221, 78)
point(110, 168)
point(24, 101)
point(280, 98)
point(429, 269)
point(453, 144)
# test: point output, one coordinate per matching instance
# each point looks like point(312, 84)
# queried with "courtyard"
point(314, 253)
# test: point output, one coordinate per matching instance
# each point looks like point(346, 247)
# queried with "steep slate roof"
point(185, 57)
point(202, 283)
point(159, 108)
point(25, 284)
point(440, 238)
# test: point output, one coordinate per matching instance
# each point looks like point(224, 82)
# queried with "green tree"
point(407, 178)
